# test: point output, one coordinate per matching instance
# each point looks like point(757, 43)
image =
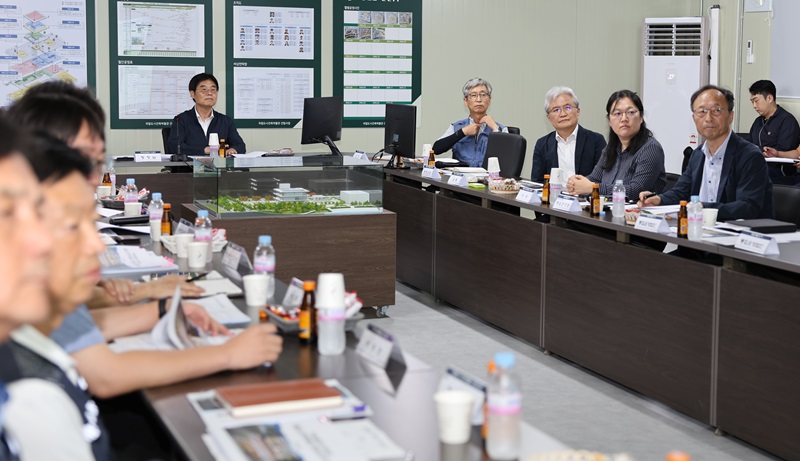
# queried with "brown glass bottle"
point(308, 314)
point(683, 221)
point(546, 189)
point(166, 220)
point(595, 204)
point(222, 147)
point(106, 180)
point(431, 159)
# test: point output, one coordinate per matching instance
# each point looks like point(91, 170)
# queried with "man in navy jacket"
point(190, 129)
point(570, 147)
point(727, 172)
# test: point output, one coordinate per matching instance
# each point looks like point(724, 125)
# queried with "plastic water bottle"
point(156, 211)
point(505, 407)
point(330, 313)
point(203, 230)
point(131, 191)
point(695, 216)
point(618, 199)
point(264, 262)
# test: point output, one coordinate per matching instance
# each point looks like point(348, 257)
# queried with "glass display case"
point(295, 185)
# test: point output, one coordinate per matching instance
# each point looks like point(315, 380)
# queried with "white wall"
point(523, 47)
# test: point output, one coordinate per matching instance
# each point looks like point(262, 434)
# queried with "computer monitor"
point(400, 132)
point(322, 121)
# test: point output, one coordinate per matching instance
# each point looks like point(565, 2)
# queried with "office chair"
point(509, 150)
point(671, 179)
point(687, 154)
point(786, 203)
point(513, 129)
point(165, 139)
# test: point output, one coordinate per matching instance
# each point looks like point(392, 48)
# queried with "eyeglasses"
point(630, 113)
point(476, 96)
point(207, 90)
point(715, 111)
point(557, 110)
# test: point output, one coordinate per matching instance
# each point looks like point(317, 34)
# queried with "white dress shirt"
point(566, 153)
point(204, 123)
point(712, 171)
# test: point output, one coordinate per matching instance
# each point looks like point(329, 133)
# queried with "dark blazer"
point(588, 148)
point(192, 139)
point(745, 190)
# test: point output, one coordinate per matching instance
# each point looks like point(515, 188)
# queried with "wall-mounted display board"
point(42, 40)
point(273, 60)
point(156, 47)
point(377, 57)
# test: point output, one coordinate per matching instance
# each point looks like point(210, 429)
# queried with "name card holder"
point(294, 294)
point(456, 379)
point(757, 243)
point(528, 195)
point(147, 156)
point(652, 223)
point(377, 346)
point(361, 155)
point(458, 179)
point(568, 204)
point(431, 172)
point(235, 261)
point(184, 227)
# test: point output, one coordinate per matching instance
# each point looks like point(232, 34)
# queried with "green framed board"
point(273, 60)
point(156, 47)
point(377, 57)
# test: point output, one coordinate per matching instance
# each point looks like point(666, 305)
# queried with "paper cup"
point(181, 242)
point(426, 150)
point(196, 254)
point(103, 191)
point(255, 289)
point(454, 409)
point(710, 217)
point(133, 208)
point(330, 291)
point(556, 176)
point(493, 165)
point(213, 139)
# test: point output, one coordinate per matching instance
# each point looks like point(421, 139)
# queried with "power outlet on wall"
point(756, 6)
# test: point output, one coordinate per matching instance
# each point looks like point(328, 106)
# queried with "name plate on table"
point(184, 227)
point(294, 294)
point(528, 195)
point(147, 156)
point(361, 155)
point(431, 172)
point(456, 379)
point(757, 243)
point(377, 346)
point(657, 224)
point(235, 261)
point(458, 179)
point(568, 204)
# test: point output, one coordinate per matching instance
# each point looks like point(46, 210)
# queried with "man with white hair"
point(571, 147)
point(468, 137)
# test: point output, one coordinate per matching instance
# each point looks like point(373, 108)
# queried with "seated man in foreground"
point(726, 171)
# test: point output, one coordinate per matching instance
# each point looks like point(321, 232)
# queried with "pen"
point(648, 196)
point(197, 277)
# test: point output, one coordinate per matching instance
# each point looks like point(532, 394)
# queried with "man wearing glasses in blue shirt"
point(190, 129)
point(727, 172)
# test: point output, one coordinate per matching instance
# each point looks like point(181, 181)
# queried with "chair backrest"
point(165, 139)
point(513, 129)
point(672, 178)
point(786, 203)
point(510, 152)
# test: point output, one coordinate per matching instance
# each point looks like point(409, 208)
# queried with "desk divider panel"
point(758, 395)
point(489, 263)
point(639, 317)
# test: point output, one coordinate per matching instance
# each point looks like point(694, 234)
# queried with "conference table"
point(400, 396)
point(717, 342)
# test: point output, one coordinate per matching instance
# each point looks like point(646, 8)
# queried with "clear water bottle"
point(264, 262)
point(618, 199)
point(694, 211)
point(330, 331)
point(131, 191)
point(504, 409)
point(203, 230)
point(112, 174)
point(156, 212)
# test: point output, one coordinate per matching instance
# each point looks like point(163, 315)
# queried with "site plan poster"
point(43, 40)
point(157, 46)
point(377, 57)
point(273, 49)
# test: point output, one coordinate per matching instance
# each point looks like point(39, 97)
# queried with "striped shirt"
point(640, 171)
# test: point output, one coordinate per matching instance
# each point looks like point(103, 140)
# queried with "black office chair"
point(672, 178)
point(510, 152)
point(165, 139)
point(786, 202)
point(513, 129)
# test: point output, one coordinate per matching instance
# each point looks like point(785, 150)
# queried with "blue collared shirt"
point(712, 171)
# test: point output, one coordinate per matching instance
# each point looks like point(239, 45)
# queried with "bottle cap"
point(309, 285)
point(504, 359)
point(595, 186)
point(265, 240)
point(695, 198)
point(167, 206)
point(683, 202)
point(156, 195)
point(130, 181)
point(202, 214)
point(547, 176)
point(618, 181)
point(678, 456)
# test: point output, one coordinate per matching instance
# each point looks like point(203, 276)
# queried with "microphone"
point(178, 157)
